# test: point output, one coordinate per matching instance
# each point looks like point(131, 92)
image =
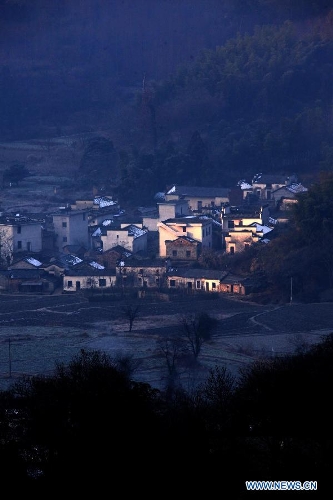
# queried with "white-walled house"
point(19, 235)
point(130, 236)
point(263, 186)
point(199, 198)
point(195, 279)
point(166, 210)
point(88, 277)
point(242, 237)
point(286, 196)
point(71, 228)
point(234, 218)
point(197, 228)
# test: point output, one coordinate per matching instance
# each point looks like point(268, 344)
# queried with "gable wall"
point(76, 230)
point(199, 231)
point(121, 237)
point(182, 247)
point(87, 282)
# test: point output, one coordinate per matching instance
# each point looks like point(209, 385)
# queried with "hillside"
point(250, 92)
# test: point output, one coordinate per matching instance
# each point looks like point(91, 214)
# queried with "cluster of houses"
point(93, 244)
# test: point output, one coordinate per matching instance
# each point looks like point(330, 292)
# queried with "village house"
point(71, 228)
point(88, 276)
point(27, 281)
point(110, 258)
point(97, 203)
point(195, 279)
point(234, 217)
point(196, 228)
point(183, 248)
point(242, 237)
point(146, 273)
point(200, 199)
point(286, 196)
point(19, 235)
point(263, 186)
point(26, 263)
point(130, 236)
point(209, 280)
point(171, 209)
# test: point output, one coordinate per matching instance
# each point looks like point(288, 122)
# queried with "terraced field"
point(36, 332)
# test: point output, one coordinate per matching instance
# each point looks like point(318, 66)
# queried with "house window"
point(231, 224)
point(69, 284)
point(214, 286)
point(184, 229)
point(188, 253)
point(78, 285)
point(174, 253)
point(102, 282)
point(172, 282)
point(19, 245)
point(64, 239)
point(29, 246)
point(189, 284)
point(199, 284)
point(232, 250)
point(64, 224)
point(19, 229)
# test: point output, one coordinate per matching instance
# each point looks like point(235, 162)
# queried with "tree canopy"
point(89, 422)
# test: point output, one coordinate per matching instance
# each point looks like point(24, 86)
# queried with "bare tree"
point(218, 388)
point(197, 328)
point(171, 349)
point(6, 246)
point(131, 312)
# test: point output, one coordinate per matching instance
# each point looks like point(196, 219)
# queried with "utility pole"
point(10, 358)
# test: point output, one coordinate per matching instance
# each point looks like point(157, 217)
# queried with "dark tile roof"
point(272, 179)
point(133, 262)
point(119, 250)
point(188, 219)
point(172, 202)
point(74, 249)
point(26, 273)
point(198, 273)
point(88, 270)
point(205, 192)
point(185, 238)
